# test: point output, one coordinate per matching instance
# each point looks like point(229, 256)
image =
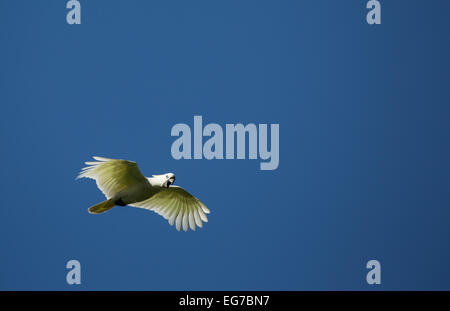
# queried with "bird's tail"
point(101, 207)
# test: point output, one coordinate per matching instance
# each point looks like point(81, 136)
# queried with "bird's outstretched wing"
point(177, 206)
point(112, 175)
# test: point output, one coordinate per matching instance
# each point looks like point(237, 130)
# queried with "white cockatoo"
point(123, 184)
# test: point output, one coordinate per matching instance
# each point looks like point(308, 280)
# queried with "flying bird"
point(122, 183)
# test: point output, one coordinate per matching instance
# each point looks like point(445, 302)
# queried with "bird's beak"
point(170, 182)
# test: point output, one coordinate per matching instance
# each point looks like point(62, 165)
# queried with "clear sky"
point(364, 168)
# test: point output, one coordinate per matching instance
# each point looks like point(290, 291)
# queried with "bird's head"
point(170, 179)
point(164, 180)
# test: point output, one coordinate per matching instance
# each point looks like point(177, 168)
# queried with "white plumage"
point(122, 183)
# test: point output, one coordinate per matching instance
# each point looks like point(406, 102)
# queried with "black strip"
point(232, 300)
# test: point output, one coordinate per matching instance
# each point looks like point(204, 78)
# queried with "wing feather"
point(191, 220)
point(173, 215)
point(185, 219)
point(197, 219)
point(178, 221)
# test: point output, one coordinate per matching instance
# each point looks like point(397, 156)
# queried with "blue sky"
point(363, 114)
